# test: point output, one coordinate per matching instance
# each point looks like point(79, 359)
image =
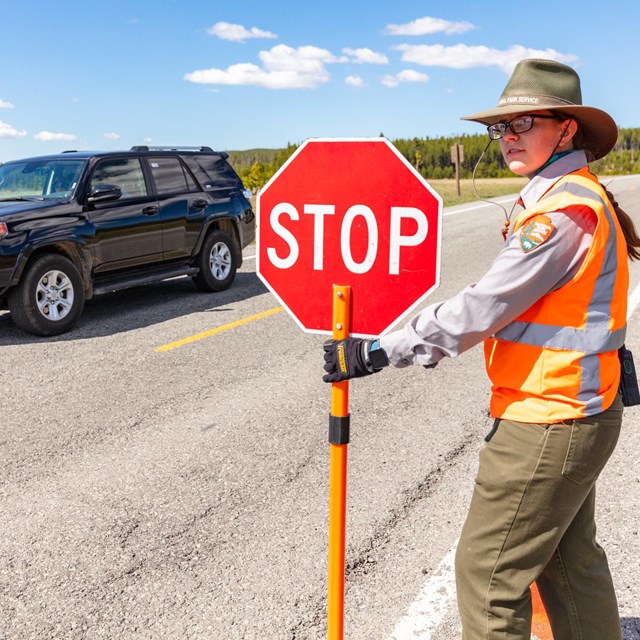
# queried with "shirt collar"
point(541, 183)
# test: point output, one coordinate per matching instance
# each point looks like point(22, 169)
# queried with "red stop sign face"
point(349, 212)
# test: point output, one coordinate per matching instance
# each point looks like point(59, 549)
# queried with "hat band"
point(533, 100)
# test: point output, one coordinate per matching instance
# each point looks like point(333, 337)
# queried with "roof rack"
point(144, 147)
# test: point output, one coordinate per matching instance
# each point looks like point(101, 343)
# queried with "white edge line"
point(633, 301)
point(428, 610)
point(479, 205)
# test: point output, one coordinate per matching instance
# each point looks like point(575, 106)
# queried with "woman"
point(551, 311)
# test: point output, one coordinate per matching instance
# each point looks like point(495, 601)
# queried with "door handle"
point(199, 204)
point(150, 211)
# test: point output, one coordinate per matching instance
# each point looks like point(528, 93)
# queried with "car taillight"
point(4, 230)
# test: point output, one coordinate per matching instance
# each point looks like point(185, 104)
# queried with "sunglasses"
point(521, 124)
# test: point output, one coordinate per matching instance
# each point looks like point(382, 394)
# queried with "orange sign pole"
point(338, 442)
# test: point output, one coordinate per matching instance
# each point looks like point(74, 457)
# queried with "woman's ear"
point(568, 130)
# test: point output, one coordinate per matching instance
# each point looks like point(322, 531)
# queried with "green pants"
point(532, 519)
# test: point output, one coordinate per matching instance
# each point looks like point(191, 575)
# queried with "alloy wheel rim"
point(54, 295)
point(220, 261)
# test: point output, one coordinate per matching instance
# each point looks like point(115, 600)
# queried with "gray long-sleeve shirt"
point(515, 280)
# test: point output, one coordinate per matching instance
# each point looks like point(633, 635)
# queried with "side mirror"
point(104, 193)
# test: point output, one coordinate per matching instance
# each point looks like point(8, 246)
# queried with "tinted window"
point(125, 173)
point(170, 176)
point(220, 173)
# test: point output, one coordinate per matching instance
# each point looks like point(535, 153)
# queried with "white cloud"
point(354, 81)
point(111, 136)
point(283, 68)
point(7, 131)
point(5, 105)
point(366, 56)
point(408, 75)
point(48, 136)
point(147, 140)
point(461, 56)
point(426, 26)
point(237, 33)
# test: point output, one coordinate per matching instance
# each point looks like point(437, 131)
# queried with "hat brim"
point(599, 130)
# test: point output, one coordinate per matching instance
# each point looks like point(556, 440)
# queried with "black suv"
point(77, 224)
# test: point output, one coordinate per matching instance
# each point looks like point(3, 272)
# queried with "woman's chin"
point(519, 168)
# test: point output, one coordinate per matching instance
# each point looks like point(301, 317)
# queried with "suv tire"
point(49, 298)
point(217, 262)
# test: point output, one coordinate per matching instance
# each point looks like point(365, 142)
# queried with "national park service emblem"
point(535, 232)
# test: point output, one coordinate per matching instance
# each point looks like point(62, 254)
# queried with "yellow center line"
point(212, 332)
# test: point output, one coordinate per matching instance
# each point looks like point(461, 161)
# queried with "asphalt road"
point(183, 494)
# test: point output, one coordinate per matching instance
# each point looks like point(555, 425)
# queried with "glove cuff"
point(374, 356)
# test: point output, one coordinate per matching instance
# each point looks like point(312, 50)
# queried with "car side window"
point(170, 176)
point(221, 174)
point(125, 173)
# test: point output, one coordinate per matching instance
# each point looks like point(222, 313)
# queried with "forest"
point(432, 158)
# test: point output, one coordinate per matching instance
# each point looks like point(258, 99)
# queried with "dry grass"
point(486, 188)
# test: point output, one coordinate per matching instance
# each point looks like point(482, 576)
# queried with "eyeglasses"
point(521, 124)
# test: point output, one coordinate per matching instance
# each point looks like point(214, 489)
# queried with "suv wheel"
point(49, 298)
point(217, 262)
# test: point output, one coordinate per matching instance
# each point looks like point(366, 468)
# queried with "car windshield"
point(40, 179)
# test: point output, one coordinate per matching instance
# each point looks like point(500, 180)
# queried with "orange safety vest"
point(558, 360)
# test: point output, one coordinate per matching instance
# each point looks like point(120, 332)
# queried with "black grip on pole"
point(339, 429)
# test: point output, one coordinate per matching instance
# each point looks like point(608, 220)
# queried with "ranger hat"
point(537, 85)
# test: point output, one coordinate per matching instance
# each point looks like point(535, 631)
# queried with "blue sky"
point(243, 74)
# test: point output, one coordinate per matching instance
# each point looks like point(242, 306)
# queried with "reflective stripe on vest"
point(586, 342)
point(595, 337)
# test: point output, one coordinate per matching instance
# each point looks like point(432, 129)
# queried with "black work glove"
point(348, 358)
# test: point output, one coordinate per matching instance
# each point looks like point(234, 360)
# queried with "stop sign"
point(350, 212)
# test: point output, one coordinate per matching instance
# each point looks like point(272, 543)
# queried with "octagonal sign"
point(351, 212)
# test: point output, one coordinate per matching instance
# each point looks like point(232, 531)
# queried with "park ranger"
point(551, 311)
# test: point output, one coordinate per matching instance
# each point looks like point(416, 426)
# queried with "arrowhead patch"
point(535, 232)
